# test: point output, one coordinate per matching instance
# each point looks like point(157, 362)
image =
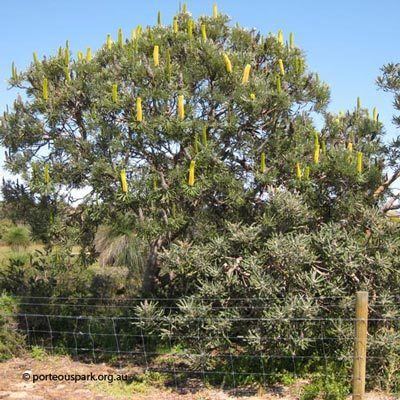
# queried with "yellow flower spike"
point(298, 171)
point(215, 10)
point(181, 108)
point(358, 103)
point(66, 56)
point(109, 42)
point(316, 139)
point(114, 93)
point(14, 73)
point(323, 147)
point(46, 174)
point(280, 37)
point(190, 28)
point(191, 173)
point(124, 183)
point(45, 89)
point(67, 74)
point(228, 64)
point(139, 111)
point(263, 166)
point(175, 26)
point(307, 173)
point(291, 40)
point(156, 57)
point(203, 32)
point(281, 67)
point(139, 31)
point(184, 8)
point(252, 96)
point(278, 85)
point(204, 136)
point(246, 74)
point(359, 162)
point(316, 154)
point(120, 38)
point(159, 18)
point(35, 58)
point(88, 54)
point(80, 56)
point(375, 114)
point(350, 147)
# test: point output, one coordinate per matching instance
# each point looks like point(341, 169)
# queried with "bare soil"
point(13, 386)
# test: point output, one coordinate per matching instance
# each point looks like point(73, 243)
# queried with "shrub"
point(11, 342)
point(17, 237)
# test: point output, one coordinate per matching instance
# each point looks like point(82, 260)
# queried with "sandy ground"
point(13, 386)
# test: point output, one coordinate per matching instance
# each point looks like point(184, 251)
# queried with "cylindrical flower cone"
point(281, 67)
point(159, 18)
point(359, 162)
point(191, 173)
point(88, 54)
point(307, 173)
point(181, 108)
point(291, 40)
point(358, 103)
point(203, 32)
point(175, 25)
point(139, 111)
point(298, 171)
point(375, 114)
point(66, 56)
point(120, 38)
point(156, 56)
point(228, 64)
point(316, 154)
point(215, 10)
point(280, 37)
point(124, 183)
point(246, 74)
point(114, 93)
point(278, 85)
point(45, 89)
point(350, 147)
point(109, 42)
point(190, 28)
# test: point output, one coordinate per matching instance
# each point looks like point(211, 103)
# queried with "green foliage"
point(17, 237)
point(38, 353)
point(11, 342)
point(328, 384)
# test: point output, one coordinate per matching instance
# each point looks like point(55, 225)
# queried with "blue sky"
point(346, 42)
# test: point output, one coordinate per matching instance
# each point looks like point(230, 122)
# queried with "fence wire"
point(232, 342)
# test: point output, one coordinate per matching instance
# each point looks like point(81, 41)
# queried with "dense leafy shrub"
point(11, 342)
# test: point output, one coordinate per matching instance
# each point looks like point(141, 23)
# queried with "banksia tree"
point(219, 99)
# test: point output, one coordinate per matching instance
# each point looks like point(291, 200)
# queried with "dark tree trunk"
point(150, 275)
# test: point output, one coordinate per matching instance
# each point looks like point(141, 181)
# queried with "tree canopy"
point(182, 129)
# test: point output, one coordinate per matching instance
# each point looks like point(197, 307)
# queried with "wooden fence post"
point(360, 346)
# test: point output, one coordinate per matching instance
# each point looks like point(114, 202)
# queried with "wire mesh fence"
point(233, 342)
